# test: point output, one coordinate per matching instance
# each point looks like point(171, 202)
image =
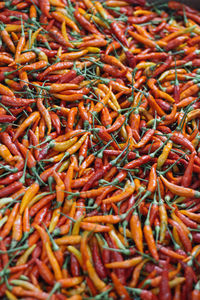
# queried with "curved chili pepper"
point(181, 191)
point(149, 238)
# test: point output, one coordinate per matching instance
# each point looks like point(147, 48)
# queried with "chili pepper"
point(40, 216)
point(58, 37)
point(125, 194)
point(84, 23)
point(117, 124)
point(120, 272)
point(7, 227)
point(161, 159)
point(152, 182)
point(53, 262)
point(25, 222)
point(170, 253)
point(44, 113)
point(94, 227)
point(164, 289)
point(188, 172)
point(181, 191)
point(25, 124)
point(119, 33)
point(10, 189)
point(173, 215)
point(19, 291)
point(141, 19)
point(45, 272)
point(44, 236)
point(145, 139)
point(144, 40)
point(6, 38)
point(20, 45)
point(137, 162)
point(6, 140)
point(157, 92)
point(163, 217)
point(11, 178)
point(186, 220)
point(7, 119)
point(44, 201)
point(12, 101)
point(55, 122)
point(60, 187)
point(54, 67)
point(136, 231)
point(119, 287)
point(163, 67)
point(149, 237)
point(191, 215)
point(184, 238)
point(5, 259)
point(30, 193)
point(125, 264)
point(60, 17)
point(99, 267)
point(17, 231)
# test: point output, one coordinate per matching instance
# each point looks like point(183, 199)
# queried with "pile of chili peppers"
point(99, 150)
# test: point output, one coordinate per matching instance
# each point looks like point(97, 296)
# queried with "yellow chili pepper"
point(28, 196)
point(163, 156)
point(54, 220)
point(99, 284)
point(163, 220)
point(63, 146)
point(24, 257)
point(76, 253)
point(93, 50)
point(10, 296)
point(64, 166)
point(64, 32)
point(12, 28)
point(76, 227)
point(54, 263)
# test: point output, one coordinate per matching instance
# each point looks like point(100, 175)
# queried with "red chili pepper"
point(10, 189)
point(84, 23)
point(119, 33)
point(141, 19)
point(187, 177)
point(11, 178)
point(164, 289)
point(15, 102)
point(100, 269)
point(117, 257)
point(163, 67)
point(183, 235)
point(75, 267)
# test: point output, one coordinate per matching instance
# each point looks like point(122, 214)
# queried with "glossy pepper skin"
point(99, 150)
